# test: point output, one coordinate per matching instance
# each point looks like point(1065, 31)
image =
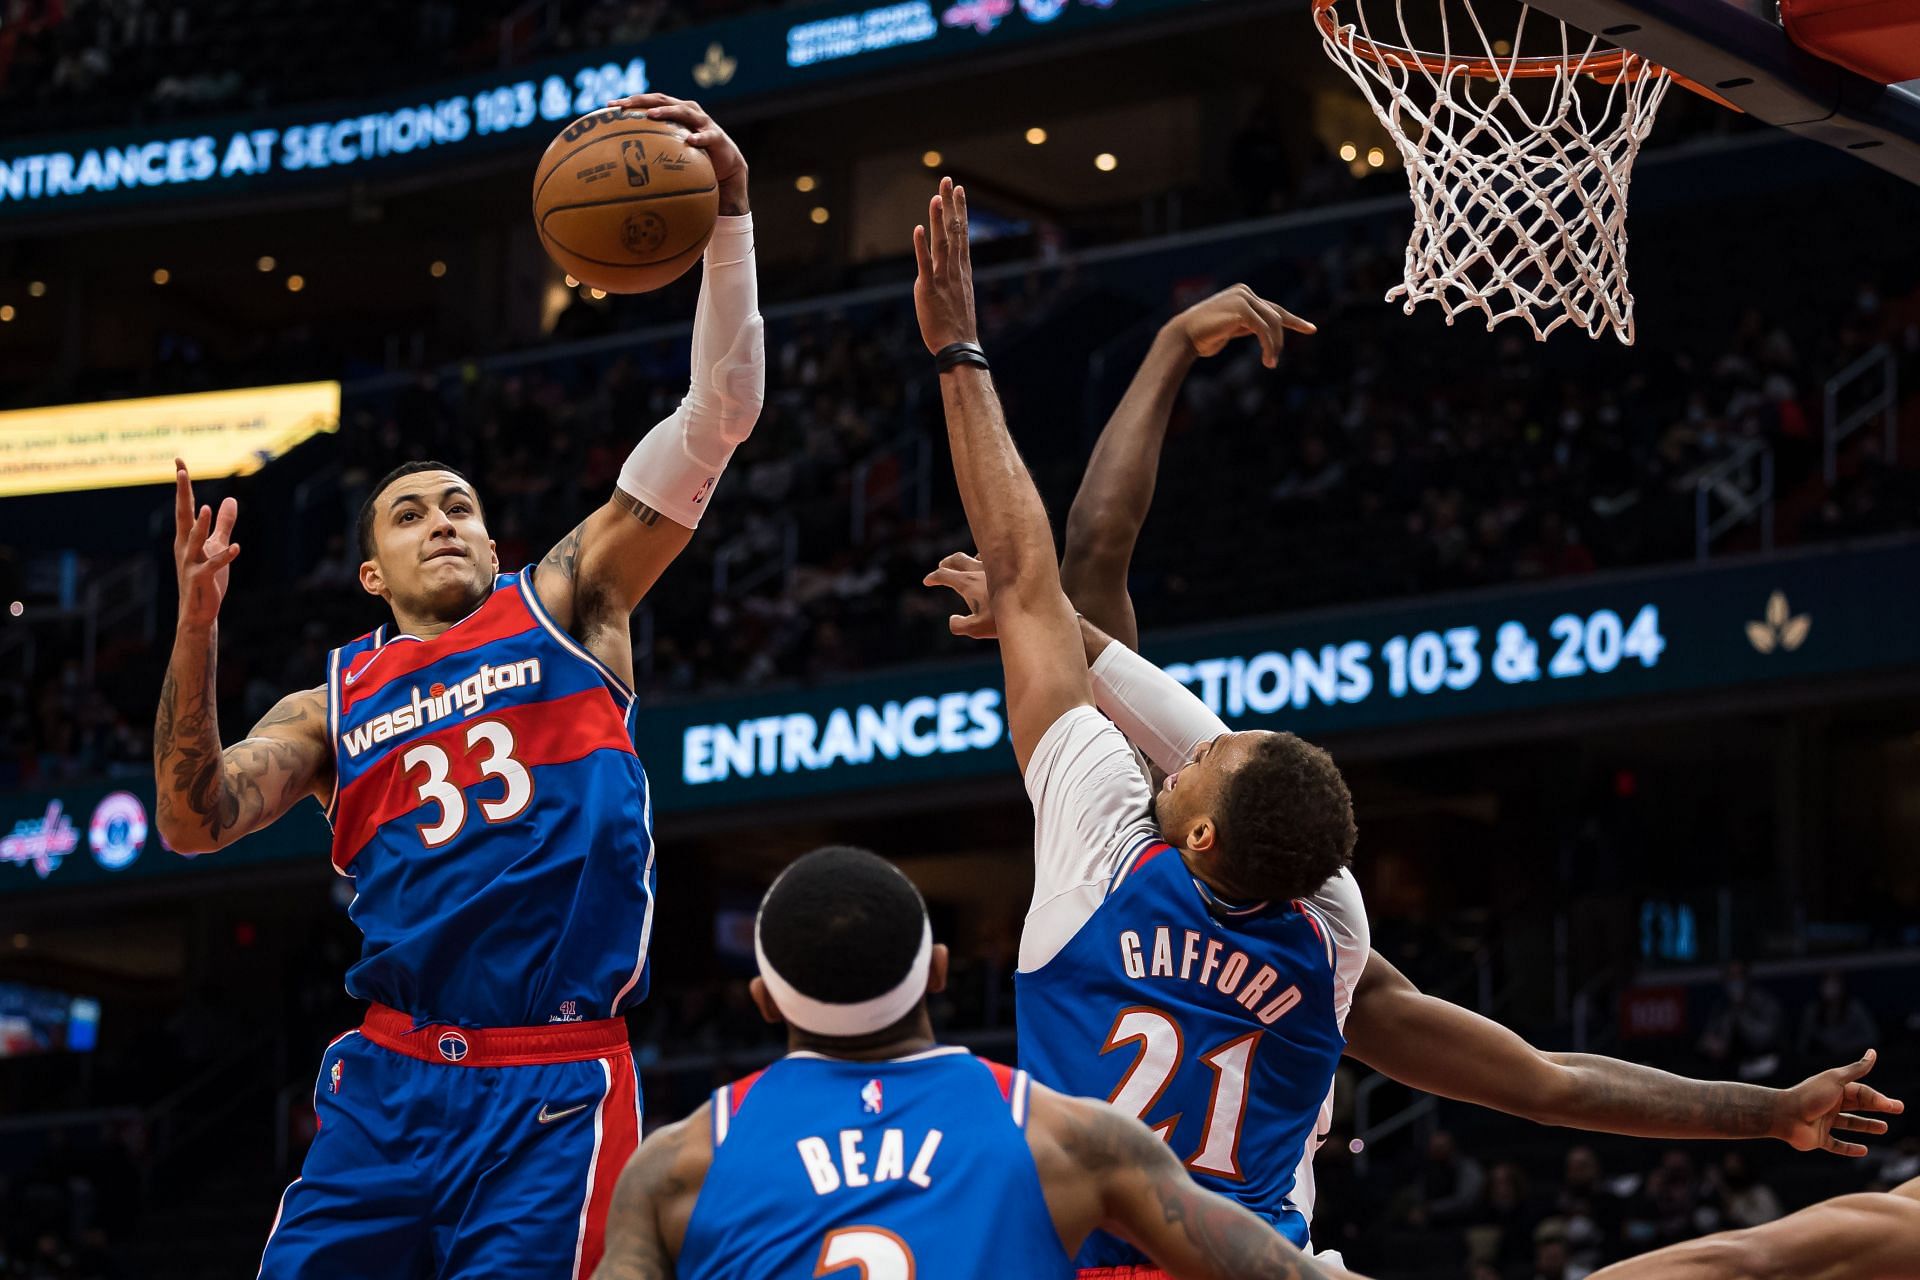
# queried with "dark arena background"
point(1618, 646)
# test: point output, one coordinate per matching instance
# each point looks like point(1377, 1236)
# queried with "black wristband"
point(955, 353)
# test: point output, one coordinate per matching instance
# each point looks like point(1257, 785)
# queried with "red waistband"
point(495, 1046)
point(1123, 1273)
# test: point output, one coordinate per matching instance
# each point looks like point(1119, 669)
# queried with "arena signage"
point(124, 442)
point(339, 143)
point(1451, 661)
point(91, 837)
point(1601, 639)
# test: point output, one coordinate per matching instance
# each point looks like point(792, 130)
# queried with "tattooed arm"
point(647, 1221)
point(1394, 1028)
point(1100, 1168)
point(208, 798)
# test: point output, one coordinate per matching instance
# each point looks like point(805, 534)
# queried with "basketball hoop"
point(1519, 199)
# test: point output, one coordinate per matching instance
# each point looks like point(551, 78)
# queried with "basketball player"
point(1204, 981)
point(1871, 1236)
point(871, 1150)
point(476, 760)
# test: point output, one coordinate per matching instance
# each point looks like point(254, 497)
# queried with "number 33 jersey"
point(493, 814)
point(1219, 1025)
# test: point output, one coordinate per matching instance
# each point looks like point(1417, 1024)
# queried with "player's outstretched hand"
point(1235, 312)
point(729, 166)
point(967, 577)
point(943, 290)
point(1817, 1108)
point(203, 549)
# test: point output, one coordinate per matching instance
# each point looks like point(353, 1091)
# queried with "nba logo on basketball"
point(635, 155)
point(334, 1087)
point(870, 1100)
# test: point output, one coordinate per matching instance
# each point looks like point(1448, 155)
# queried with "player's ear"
point(371, 579)
point(937, 969)
point(494, 552)
point(763, 1001)
point(1202, 836)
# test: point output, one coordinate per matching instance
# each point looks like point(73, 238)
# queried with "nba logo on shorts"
point(334, 1087)
point(870, 1100)
point(453, 1045)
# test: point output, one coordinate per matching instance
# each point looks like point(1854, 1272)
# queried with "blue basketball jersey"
point(1214, 1024)
point(918, 1167)
point(494, 816)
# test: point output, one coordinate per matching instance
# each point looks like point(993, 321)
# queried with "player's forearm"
point(1157, 713)
point(675, 467)
point(1003, 508)
point(193, 806)
point(1117, 491)
point(1609, 1096)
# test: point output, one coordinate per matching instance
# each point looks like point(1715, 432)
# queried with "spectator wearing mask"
point(1745, 1031)
point(1837, 1026)
point(1745, 1201)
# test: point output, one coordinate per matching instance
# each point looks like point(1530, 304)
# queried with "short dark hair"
point(1285, 819)
point(842, 925)
point(367, 512)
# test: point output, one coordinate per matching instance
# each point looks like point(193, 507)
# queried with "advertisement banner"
point(340, 143)
point(1639, 639)
point(1643, 636)
point(94, 836)
point(126, 442)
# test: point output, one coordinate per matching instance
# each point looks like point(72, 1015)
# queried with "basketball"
point(622, 203)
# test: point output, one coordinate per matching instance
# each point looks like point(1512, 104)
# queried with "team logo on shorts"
point(870, 1098)
point(453, 1046)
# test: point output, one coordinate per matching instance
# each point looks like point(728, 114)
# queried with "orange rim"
point(1605, 64)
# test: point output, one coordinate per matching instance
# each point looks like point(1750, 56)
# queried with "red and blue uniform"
point(915, 1168)
point(1216, 1024)
point(494, 817)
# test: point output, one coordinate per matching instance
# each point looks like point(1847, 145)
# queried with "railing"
point(914, 486)
point(123, 594)
point(1743, 485)
point(779, 564)
point(209, 1099)
point(1422, 1111)
point(1884, 403)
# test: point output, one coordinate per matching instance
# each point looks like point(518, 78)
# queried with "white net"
point(1518, 161)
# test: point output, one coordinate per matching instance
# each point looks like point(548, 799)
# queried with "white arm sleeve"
point(676, 465)
point(1157, 713)
point(1092, 809)
point(1339, 903)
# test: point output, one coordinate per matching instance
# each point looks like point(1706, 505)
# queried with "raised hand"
point(1814, 1110)
point(1209, 325)
point(967, 577)
point(729, 166)
point(203, 551)
point(943, 289)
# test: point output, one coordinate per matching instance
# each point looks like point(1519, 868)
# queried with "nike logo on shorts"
point(548, 1117)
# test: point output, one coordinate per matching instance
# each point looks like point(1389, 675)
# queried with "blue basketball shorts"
point(454, 1153)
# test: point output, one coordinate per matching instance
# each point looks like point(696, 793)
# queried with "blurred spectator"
point(1746, 1030)
point(1745, 1201)
point(1836, 1027)
point(1448, 1186)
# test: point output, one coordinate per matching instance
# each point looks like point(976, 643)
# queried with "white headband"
point(863, 1018)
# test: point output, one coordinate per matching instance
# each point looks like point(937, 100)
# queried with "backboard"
point(1740, 50)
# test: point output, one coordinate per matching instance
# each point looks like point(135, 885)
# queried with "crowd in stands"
point(67, 64)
